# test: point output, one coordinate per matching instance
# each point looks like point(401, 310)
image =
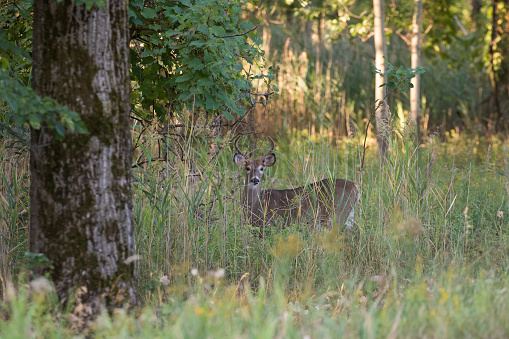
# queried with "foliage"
point(88, 3)
point(192, 55)
point(37, 111)
point(185, 55)
point(23, 105)
point(37, 260)
point(399, 79)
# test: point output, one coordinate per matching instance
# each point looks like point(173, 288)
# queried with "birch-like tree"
point(415, 48)
point(380, 53)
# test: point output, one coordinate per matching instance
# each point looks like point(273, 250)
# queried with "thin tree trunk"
point(80, 192)
point(318, 90)
point(320, 28)
point(476, 11)
point(380, 52)
point(506, 44)
point(415, 106)
point(495, 116)
point(308, 35)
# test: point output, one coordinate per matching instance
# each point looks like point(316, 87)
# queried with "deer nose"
point(255, 181)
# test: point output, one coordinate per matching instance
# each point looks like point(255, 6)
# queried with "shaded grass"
point(14, 202)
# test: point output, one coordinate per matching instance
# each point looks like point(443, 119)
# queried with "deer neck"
point(252, 197)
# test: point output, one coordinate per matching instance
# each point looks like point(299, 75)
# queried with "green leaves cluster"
point(192, 54)
point(37, 260)
point(89, 3)
point(27, 107)
point(185, 54)
point(398, 78)
point(19, 104)
point(32, 109)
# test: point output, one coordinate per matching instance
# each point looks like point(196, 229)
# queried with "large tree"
point(80, 193)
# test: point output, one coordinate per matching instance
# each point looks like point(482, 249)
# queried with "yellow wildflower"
point(444, 296)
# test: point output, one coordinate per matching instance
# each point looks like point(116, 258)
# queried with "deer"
point(320, 201)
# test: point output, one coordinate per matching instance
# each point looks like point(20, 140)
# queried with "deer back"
point(320, 200)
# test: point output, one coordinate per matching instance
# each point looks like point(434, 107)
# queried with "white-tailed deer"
point(325, 200)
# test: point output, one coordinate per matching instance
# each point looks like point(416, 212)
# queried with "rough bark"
point(415, 107)
point(380, 52)
point(80, 193)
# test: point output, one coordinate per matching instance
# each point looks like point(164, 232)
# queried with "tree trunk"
point(476, 11)
point(415, 106)
point(380, 52)
point(505, 54)
point(308, 35)
point(80, 193)
point(320, 28)
point(495, 116)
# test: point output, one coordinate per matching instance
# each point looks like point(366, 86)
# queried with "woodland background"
point(428, 257)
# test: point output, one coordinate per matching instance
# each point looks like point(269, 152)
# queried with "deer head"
point(254, 168)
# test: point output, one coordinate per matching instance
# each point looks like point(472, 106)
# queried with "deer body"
point(323, 201)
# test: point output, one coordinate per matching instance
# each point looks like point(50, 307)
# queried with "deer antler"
point(273, 145)
point(237, 145)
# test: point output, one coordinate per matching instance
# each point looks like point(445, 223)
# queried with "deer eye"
point(248, 169)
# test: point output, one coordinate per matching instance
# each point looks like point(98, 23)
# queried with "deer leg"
point(350, 219)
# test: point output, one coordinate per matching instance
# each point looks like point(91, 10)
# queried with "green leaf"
point(170, 33)
point(197, 43)
point(204, 82)
point(246, 25)
point(217, 30)
point(160, 110)
point(59, 127)
point(81, 127)
point(195, 64)
point(137, 3)
point(5, 46)
point(228, 116)
point(35, 120)
point(149, 13)
point(183, 78)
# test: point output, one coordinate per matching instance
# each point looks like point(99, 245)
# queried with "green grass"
point(428, 256)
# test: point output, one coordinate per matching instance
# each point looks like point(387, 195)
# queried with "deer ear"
point(269, 160)
point(239, 160)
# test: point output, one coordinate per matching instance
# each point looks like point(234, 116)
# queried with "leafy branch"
point(400, 80)
point(186, 55)
point(26, 107)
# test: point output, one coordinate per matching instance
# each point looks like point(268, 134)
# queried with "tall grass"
point(14, 204)
point(194, 218)
point(427, 256)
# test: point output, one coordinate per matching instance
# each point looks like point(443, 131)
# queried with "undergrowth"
point(426, 258)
